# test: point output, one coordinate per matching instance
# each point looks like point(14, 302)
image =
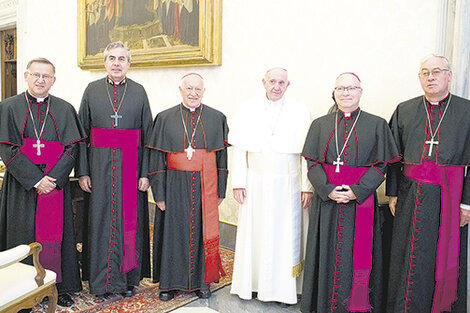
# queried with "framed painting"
point(159, 33)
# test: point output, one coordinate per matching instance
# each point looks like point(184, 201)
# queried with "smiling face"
point(192, 90)
point(117, 64)
point(275, 82)
point(435, 76)
point(40, 78)
point(347, 98)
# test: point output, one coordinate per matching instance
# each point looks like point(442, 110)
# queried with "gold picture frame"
point(156, 34)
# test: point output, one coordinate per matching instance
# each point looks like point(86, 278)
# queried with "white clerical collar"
point(347, 114)
point(275, 103)
point(434, 103)
point(189, 108)
point(37, 98)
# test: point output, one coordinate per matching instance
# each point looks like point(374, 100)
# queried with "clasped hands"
point(46, 185)
point(342, 194)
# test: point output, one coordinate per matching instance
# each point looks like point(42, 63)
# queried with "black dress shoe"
point(166, 295)
point(65, 300)
point(129, 293)
point(103, 296)
point(203, 294)
point(254, 294)
point(25, 311)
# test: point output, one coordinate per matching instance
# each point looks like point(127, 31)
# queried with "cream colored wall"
point(382, 41)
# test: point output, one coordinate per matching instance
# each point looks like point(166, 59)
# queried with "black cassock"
point(330, 243)
point(104, 247)
point(178, 250)
point(410, 129)
point(18, 195)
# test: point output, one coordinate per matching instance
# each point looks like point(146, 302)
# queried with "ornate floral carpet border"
point(146, 298)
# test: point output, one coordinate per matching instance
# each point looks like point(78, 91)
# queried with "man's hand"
point(239, 194)
point(46, 185)
point(306, 199)
point(392, 204)
point(144, 184)
point(161, 205)
point(85, 183)
point(342, 194)
point(464, 217)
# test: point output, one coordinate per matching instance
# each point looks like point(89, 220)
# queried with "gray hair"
point(435, 56)
point(41, 60)
point(114, 45)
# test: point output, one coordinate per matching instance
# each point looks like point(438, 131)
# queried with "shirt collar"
point(111, 82)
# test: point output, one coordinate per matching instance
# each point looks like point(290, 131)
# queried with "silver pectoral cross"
point(189, 152)
point(115, 117)
point(431, 143)
point(337, 163)
point(38, 145)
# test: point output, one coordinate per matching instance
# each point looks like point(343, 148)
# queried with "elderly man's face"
point(117, 64)
point(192, 90)
point(348, 92)
point(275, 83)
point(435, 78)
point(40, 78)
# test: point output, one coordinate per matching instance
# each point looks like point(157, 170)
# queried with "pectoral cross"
point(337, 163)
point(38, 145)
point(431, 143)
point(189, 152)
point(115, 117)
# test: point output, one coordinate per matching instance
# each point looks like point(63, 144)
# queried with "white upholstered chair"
point(22, 286)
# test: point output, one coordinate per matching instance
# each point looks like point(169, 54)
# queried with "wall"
point(382, 41)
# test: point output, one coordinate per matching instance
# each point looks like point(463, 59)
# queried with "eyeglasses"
point(349, 89)
point(38, 76)
point(435, 72)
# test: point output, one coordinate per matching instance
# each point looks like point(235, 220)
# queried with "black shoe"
point(65, 300)
point(129, 293)
point(25, 311)
point(203, 294)
point(254, 295)
point(166, 295)
point(103, 296)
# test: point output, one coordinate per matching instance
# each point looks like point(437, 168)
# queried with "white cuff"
point(37, 184)
point(465, 206)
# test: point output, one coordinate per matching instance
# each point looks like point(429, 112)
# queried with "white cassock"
point(268, 138)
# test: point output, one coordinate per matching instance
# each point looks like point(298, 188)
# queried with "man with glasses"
point(430, 197)
point(39, 138)
point(269, 182)
point(113, 168)
point(347, 152)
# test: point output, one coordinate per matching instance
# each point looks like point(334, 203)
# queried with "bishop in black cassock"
point(116, 115)
point(188, 168)
point(428, 271)
point(39, 136)
point(343, 266)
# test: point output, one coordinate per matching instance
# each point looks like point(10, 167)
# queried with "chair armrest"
point(14, 255)
point(18, 253)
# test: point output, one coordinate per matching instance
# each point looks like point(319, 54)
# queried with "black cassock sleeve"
point(369, 182)
point(64, 166)
point(81, 166)
point(157, 173)
point(319, 180)
point(222, 172)
point(19, 166)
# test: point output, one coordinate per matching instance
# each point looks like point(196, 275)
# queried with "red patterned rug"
point(146, 298)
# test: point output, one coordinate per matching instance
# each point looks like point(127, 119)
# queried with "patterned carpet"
point(146, 298)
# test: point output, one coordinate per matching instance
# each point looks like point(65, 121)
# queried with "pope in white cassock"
point(269, 181)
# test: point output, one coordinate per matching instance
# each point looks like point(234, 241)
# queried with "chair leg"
point(52, 300)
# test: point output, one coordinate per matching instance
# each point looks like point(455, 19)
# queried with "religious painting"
point(159, 33)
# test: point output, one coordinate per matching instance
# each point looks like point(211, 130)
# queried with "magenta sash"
point(128, 140)
point(49, 207)
point(363, 233)
point(450, 178)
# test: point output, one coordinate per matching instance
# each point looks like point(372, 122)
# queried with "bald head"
point(275, 82)
point(192, 90)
